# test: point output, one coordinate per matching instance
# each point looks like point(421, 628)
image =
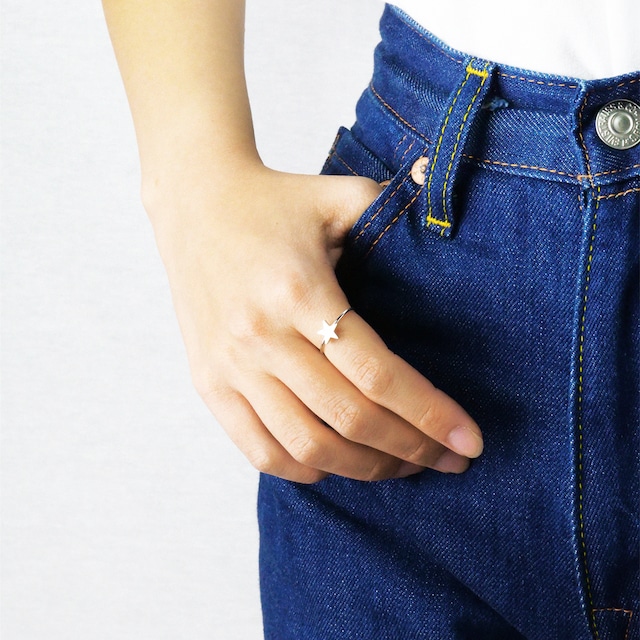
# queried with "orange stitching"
point(545, 169)
point(395, 113)
point(407, 151)
point(532, 81)
point(394, 221)
point(622, 84)
point(618, 195)
point(519, 166)
point(626, 611)
point(380, 208)
point(582, 143)
point(606, 173)
point(404, 137)
point(336, 155)
point(580, 478)
point(433, 44)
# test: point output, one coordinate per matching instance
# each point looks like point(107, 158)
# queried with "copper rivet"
point(419, 170)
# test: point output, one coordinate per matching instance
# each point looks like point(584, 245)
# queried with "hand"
point(250, 258)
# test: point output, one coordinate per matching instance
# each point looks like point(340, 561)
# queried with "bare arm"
point(250, 254)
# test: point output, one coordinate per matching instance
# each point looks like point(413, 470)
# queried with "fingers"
point(249, 434)
point(388, 381)
point(340, 404)
point(281, 437)
point(313, 444)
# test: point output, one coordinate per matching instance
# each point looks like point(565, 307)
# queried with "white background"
point(126, 513)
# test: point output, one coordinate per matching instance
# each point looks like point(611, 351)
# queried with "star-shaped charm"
point(328, 332)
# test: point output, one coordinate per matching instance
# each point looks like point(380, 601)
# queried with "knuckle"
point(430, 417)
point(372, 377)
point(249, 326)
point(263, 460)
point(423, 452)
point(382, 469)
point(306, 450)
point(347, 419)
point(207, 386)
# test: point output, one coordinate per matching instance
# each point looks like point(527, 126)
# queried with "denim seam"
point(404, 155)
point(433, 44)
point(395, 151)
point(580, 469)
point(628, 612)
point(521, 166)
point(435, 155)
point(619, 194)
point(540, 82)
point(577, 176)
point(460, 61)
point(332, 151)
point(484, 75)
point(395, 113)
point(430, 218)
point(589, 175)
point(397, 217)
point(621, 84)
point(380, 208)
point(337, 156)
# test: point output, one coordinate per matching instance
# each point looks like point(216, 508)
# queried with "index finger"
point(362, 356)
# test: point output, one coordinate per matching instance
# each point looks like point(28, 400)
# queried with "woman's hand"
point(250, 258)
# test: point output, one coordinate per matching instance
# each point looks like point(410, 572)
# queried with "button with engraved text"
point(618, 124)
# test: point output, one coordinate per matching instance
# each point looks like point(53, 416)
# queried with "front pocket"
point(349, 157)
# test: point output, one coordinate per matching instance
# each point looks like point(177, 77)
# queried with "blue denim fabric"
point(510, 279)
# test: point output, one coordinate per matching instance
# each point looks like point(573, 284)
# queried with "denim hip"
point(500, 260)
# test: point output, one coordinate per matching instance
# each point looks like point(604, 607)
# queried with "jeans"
point(501, 260)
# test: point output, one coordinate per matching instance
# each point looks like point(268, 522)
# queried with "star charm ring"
point(328, 331)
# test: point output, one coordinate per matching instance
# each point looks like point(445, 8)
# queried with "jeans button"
point(618, 124)
point(419, 170)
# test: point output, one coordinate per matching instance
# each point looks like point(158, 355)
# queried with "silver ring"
point(328, 331)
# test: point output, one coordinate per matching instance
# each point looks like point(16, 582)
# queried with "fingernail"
point(466, 442)
point(450, 462)
point(408, 469)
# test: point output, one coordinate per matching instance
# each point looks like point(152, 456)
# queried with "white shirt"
point(586, 39)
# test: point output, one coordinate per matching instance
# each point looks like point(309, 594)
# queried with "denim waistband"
point(522, 122)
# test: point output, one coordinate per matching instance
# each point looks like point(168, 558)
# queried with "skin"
point(250, 255)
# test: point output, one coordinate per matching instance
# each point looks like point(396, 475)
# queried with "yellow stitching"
point(415, 197)
point(618, 195)
point(435, 155)
point(484, 74)
point(440, 223)
point(380, 208)
point(395, 113)
point(580, 416)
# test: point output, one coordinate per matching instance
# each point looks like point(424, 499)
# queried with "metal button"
point(419, 170)
point(618, 124)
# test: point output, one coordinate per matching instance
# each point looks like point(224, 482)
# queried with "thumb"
point(344, 200)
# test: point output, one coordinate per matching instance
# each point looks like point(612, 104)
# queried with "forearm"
point(183, 68)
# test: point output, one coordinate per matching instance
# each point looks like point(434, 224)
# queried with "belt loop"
point(452, 133)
